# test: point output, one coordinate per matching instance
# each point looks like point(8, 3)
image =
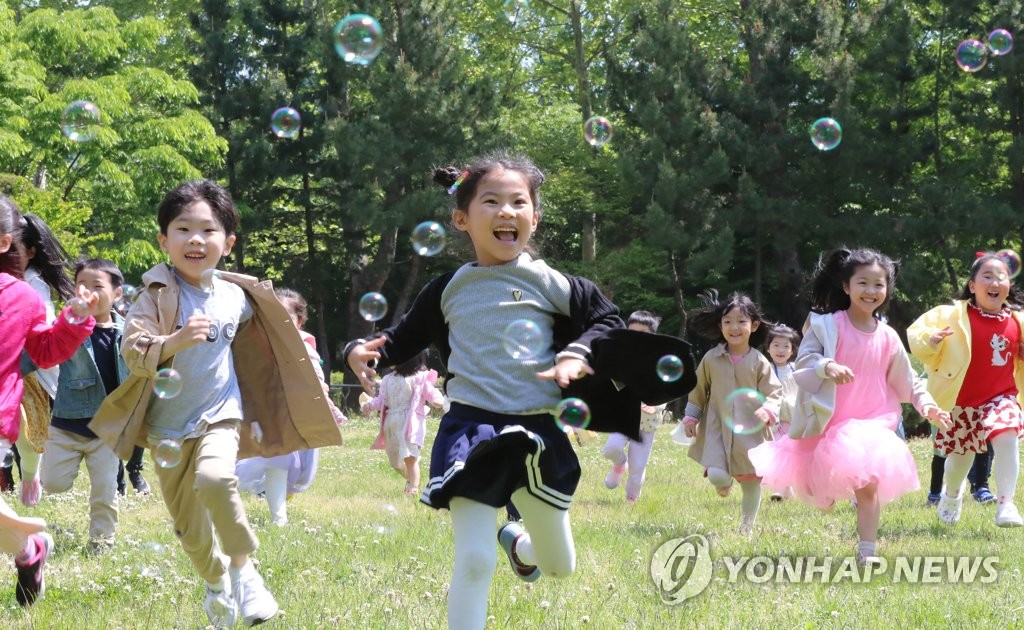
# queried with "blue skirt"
point(486, 456)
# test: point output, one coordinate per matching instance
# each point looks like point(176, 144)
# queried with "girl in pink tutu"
point(853, 373)
point(736, 399)
point(972, 351)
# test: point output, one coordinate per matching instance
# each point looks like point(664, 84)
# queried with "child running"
point(781, 346)
point(971, 349)
point(498, 441)
point(23, 325)
point(853, 373)
point(736, 400)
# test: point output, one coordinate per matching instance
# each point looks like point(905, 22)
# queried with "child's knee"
point(477, 564)
point(55, 486)
point(555, 566)
point(213, 483)
point(719, 477)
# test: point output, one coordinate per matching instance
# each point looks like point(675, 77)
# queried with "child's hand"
point(89, 299)
point(566, 370)
point(359, 359)
point(646, 408)
point(939, 417)
point(937, 338)
point(195, 330)
point(840, 374)
point(690, 427)
point(763, 416)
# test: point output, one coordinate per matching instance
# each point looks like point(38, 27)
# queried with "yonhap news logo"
point(682, 568)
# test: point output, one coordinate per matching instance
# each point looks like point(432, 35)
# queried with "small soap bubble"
point(597, 131)
point(739, 408)
point(572, 414)
point(1012, 260)
point(373, 306)
point(167, 453)
point(390, 508)
point(129, 292)
point(670, 368)
point(515, 8)
point(826, 134)
point(76, 303)
point(121, 306)
point(428, 238)
point(971, 55)
point(523, 339)
point(286, 122)
point(81, 121)
point(358, 39)
point(206, 279)
point(167, 383)
point(1000, 42)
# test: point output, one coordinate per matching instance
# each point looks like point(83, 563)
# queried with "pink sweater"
point(23, 326)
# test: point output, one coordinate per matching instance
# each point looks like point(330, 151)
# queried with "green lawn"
point(360, 554)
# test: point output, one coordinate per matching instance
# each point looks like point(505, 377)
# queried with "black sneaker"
point(30, 574)
point(140, 485)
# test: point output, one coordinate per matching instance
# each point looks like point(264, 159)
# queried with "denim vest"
point(80, 390)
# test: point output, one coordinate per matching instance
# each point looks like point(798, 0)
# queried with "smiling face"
point(500, 218)
point(737, 327)
point(101, 283)
point(780, 350)
point(195, 241)
point(867, 288)
point(990, 285)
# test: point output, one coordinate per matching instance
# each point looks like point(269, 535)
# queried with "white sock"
point(719, 478)
point(1005, 465)
point(751, 500)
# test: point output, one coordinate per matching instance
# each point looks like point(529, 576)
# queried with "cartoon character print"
point(999, 344)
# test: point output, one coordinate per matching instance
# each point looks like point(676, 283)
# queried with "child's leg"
point(29, 470)
point(957, 466)
point(615, 449)
point(275, 488)
point(868, 513)
point(980, 470)
point(749, 503)
point(216, 487)
point(548, 542)
point(938, 468)
point(475, 559)
point(639, 455)
point(412, 472)
point(134, 468)
point(62, 461)
point(1006, 462)
point(101, 463)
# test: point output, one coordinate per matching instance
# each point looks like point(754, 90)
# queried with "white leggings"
point(1005, 467)
point(548, 544)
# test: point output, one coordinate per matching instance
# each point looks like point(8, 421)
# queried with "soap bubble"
point(428, 238)
point(523, 339)
point(358, 39)
point(286, 122)
point(1012, 261)
point(167, 453)
point(167, 383)
point(597, 131)
point(76, 303)
point(571, 414)
point(971, 55)
point(81, 121)
point(739, 409)
point(826, 133)
point(1000, 42)
point(670, 368)
point(373, 306)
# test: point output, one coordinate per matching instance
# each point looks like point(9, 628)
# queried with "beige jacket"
point(716, 445)
point(279, 386)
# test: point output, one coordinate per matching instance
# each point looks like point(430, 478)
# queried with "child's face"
point(780, 349)
point(99, 282)
point(500, 219)
point(867, 289)
point(991, 285)
point(195, 241)
point(640, 327)
point(737, 328)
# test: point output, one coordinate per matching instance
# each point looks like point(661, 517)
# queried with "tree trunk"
point(677, 292)
point(409, 288)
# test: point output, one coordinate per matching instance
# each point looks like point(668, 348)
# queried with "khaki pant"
point(64, 454)
point(201, 494)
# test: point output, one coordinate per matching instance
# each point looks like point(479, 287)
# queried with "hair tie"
point(978, 255)
point(455, 186)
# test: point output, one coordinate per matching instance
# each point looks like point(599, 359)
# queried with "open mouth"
point(195, 257)
point(506, 234)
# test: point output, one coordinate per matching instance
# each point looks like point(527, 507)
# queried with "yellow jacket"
point(947, 364)
point(279, 386)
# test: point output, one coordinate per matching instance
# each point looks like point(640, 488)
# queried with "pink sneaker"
point(30, 491)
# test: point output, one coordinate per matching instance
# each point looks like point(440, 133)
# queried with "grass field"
point(357, 553)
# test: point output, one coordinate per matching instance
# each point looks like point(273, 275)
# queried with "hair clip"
point(455, 186)
point(978, 255)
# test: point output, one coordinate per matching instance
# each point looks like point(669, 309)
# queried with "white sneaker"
point(220, 606)
point(1007, 515)
point(950, 507)
point(255, 602)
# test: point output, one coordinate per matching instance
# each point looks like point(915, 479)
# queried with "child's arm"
point(925, 335)
point(911, 388)
point(770, 386)
point(599, 315)
point(144, 350)
point(697, 401)
point(49, 345)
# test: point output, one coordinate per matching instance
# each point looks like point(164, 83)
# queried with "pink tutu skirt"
point(849, 455)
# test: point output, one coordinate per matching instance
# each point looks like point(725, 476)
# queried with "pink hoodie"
point(23, 326)
point(424, 392)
